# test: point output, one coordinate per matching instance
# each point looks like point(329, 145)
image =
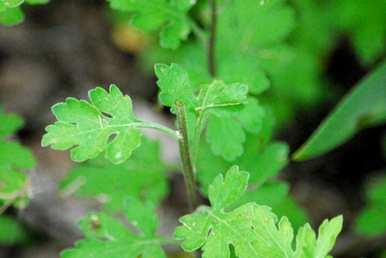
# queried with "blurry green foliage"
point(170, 17)
point(11, 12)
point(371, 221)
point(14, 185)
point(11, 232)
point(364, 23)
point(143, 176)
point(106, 236)
point(14, 160)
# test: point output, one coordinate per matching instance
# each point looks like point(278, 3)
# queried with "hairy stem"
point(212, 39)
point(185, 155)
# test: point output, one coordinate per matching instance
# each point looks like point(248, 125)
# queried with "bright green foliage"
point(14, 159)
point(170, 16)
point(264, 163)
point(252, 230)
point(351, 115)
point(87, 127)
point(11, 13)
point(175, 85)
point(106, 236)
point(142, 176)
point(364, 21)
point(10, 16)
point(225, 108)
point(250, 48)
point(11, 232)
point(371, 221)
point(240, 51)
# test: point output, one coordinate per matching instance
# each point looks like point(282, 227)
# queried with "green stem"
point(151, 125)
point(186, 159)
point(212, 39)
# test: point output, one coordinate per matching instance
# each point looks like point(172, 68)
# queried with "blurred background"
point(67, 47)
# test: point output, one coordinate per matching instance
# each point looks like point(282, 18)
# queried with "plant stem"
point(212, 39)
point(151, 125)
point(185, 155)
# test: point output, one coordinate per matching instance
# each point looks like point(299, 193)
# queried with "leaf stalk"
point(212, 39)
point(186, 159)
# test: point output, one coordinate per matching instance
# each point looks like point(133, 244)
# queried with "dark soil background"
point(65, 48)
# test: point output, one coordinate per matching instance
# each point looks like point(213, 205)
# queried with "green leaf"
point(251, 230)
point(142, 177)
point(106, 124)
point(13, 155)
point(10, 123)
point(11, 16)
point(219, 95)
point(11, 232)
point(370, 221)
point(168, 16)
point(246, 34)
point(308, 246)
point(245, 30)
point(174, 84)
point(224, 192)
point(14, 159)
point(364, 23)
point(226, 137)
point(105, 236)
point(12, 3)
point(268, 163)
point(363, 107)
point(225, 108)
point(36, 2)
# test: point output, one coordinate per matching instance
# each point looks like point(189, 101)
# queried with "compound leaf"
point(224, 108)
point(87, 127)
point(169, 16)
point(224, 192)
point(251, 230)
point(106, 236)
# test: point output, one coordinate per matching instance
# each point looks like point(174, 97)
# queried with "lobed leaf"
point(174, 84)
point(106, 236)
point(224, 109)
point(105, 124)
point(251, 230)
